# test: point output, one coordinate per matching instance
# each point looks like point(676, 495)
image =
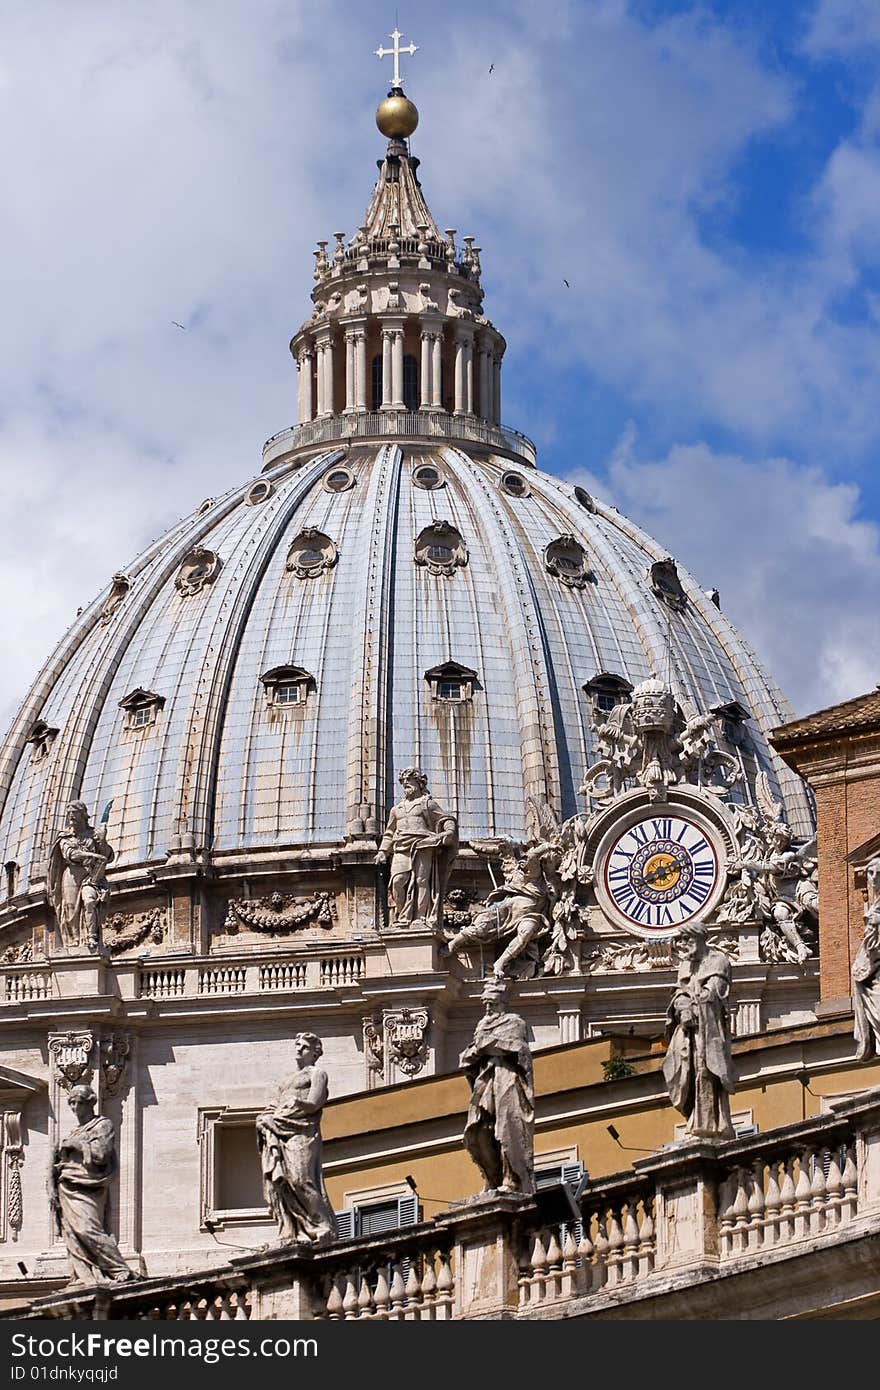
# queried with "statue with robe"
point(77, 882)
point(866, 973)
point(84, 1166)
point(421, 841)
point(500, 1127)
point(698, 1067)
point(289, 1144)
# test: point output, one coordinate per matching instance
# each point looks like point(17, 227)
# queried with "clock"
point(656, 871)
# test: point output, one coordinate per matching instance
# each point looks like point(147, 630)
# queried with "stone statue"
point(289, 1143)
point(786, 883)
point(77, 882)
point(866, 973)
point(698, 1067)
point(517, 913)
point(84, 1166)
point(422, 842)
point(499, 1133)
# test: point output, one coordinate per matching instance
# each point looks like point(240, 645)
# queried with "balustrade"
point(159, 983)
point(402, 424)
point(787, 1198)
point(419, 1287)
point(24, 985)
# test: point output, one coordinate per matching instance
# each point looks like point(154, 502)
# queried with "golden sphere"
point(397, 117)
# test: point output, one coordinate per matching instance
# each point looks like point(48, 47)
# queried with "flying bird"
point(178, 325)
point(566, 284)
point(491, 67)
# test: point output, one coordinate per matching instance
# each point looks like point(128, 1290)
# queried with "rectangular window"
point(232, 1183)
point(288, 694)
point(141, 716)
point(449, 690)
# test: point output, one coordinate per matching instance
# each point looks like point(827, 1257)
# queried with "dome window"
point(607, 690)
point(339, 480)
point(440, 549)
point(733, 716)
point(258, 492)
point(585, 499)
point(666, 584)
point(205, 506)
point(566, 558)
point(427, 476)
point(41, 738)
point(141, 708)
point(514, 484)
point(287, 685)
point(452, 683)
point(199, 569)
point(118, 590)
point(311, 553)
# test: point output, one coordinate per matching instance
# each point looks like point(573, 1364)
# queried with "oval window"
point(515, 484)
point(427, 477)
point(339, 480)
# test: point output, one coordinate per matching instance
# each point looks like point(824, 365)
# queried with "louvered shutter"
point(345, 1223)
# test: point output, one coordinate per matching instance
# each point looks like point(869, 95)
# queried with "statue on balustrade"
point(698, 1067)
point(77, 880)
point(421, 840)
point(866, 973)
point(499, 1133)
point(84, 1166)
point(289, 1144)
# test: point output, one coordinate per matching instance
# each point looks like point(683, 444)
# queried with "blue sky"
point(705, 176)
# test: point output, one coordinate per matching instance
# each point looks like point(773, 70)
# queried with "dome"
point(255, 679)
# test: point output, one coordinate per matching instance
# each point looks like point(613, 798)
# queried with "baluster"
point(413, 1291)
point(772, 1205)
point(756, 1205)
point(615, 1250)
point(365, 1299)
point(817, 1193)
point(646, 1240)
point(539, 1270)
point(398, 1295)
point(833, 1192)
point(850, 1203)
point(350, 1297)
point(568, 1275)
point(600, 1278)
point(802, 1197)
point(334, 1301)
point(585, 1272)
point(726, 1215)
point(241, 1304)
point(740, 1212)
point(382, 1296)
point(445, 1287)
point(629, 1264)
point(788, 1200)
point(429, 1289)
point(553, 1287)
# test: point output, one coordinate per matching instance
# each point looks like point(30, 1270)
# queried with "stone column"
point(469, 377)
point(319, 379)
point(426, 368)
point(360, 369)
point(459, 399)
point(437, 371)
point(496, 393)
point(397, 401)
point(484, 359)
point(387, 340)
point(306, 378)
point(349, 372)
point(328, 377)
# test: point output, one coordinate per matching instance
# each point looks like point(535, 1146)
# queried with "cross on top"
point(395, 53)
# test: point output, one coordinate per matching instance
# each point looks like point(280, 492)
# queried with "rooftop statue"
point(866, 973)
point(421, 840)
point(499, 1133)
point(656, 741)
point(77, 881)
point(289, 1143)
point(698, 1067)
point(85, 1165)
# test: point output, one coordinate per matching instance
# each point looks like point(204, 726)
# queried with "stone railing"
point(25, 982)
point(399, 424)
point(796, 1211)
point(247, 975)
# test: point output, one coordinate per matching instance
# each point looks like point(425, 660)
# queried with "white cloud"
point(797, 568)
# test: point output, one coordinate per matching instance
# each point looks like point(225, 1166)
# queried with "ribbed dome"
point(293, 646)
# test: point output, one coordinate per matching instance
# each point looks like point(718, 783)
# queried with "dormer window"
point(514, 484)
point(733, 716)
point(141, 708)
point(286, 686)
point(452, 683)
point(566, 558)
point(663, 576)
point(607, 690)
point(41, 738)
point(440, 548)
point(199, 569)
point(311, 553)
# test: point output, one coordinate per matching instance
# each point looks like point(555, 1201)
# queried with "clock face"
point(659, 873)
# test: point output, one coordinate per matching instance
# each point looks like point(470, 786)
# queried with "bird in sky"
point(178, 325)
point(491, 67)
point(566, 284)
